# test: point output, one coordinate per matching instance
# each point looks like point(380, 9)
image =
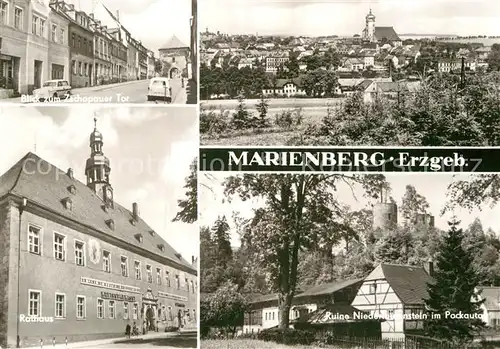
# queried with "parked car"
point(53, 89)
point(160, 89)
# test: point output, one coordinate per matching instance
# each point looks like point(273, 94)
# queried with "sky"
point(347, 17)
point(151, 21)
point(433, 187)
point(150, 150)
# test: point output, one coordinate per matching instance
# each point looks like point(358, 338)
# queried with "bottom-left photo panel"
point(99, 242)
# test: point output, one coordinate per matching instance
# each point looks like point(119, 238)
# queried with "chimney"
point(429, 268)
point(118, 15)
point(70, 173)
point(135, 211)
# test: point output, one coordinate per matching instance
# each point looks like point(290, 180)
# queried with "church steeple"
point(97, 168)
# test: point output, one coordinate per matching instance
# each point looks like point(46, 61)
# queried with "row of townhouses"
point(42, 40)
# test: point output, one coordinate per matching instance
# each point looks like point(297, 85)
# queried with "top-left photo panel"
point(98, 51)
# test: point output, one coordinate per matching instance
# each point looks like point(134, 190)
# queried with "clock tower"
point(97, 168)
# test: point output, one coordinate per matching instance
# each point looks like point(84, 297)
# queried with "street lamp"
point(22, 206)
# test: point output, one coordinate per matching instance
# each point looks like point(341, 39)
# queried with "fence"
point(409, 342)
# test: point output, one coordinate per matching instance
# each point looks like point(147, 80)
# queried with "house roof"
point(364, 84)
point(328, 288)
point(408, 282)
point(311, 291)
point(391, 86)
point(173, 43)
point(324, 314)
point(47, 186)
point(491, 295)
point(386, 32)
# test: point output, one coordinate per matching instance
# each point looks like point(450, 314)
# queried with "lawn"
point(273, 136)
point(248, 344)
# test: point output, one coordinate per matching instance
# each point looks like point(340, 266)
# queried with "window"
point(42, 28)
point(73, 39)
point(106, 261)
point(178, 282)
point(158, 276)
point(169, 314)
point(192, 286)
point(111, 309)
point(390, 314)
point(100, 308)
point(60, 305)
point(59, 247)
point(35, 305)
point(34, 241)
point(373, 289)
point(138, 275)
point(62, 41)
point(4, 12)
point(187, 284)
point(125, 310)
point(167, 278)
point(78, 42)
point(173, 59)
point(18, 18)
point(85, 69)
point(79, 253)
point(124, 266)
point(54, 33)
point(73, 64)
point(149, 272)
point(80, 68)
point(136, 311)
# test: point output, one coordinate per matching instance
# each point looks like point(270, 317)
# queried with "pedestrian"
point(127, 331)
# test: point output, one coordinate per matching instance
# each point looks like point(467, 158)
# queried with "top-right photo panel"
point(347, 73)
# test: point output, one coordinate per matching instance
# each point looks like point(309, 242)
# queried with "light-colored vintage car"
point(160, 89)
point(53, 89)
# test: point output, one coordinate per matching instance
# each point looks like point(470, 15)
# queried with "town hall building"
point(76, 265)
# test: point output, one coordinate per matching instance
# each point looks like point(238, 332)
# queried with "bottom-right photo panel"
point(349, 260)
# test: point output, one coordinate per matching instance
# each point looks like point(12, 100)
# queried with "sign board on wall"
point(117, 297)
point(172, 296)
point(107, 284)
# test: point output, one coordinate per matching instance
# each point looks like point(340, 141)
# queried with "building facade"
point(75, 265)
point(59, 52)
point(174, 56)
point(81, 43)
point(14, 24)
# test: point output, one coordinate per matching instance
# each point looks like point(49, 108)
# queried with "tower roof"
point(172, 43)
point(370, 15)
point(95, 136)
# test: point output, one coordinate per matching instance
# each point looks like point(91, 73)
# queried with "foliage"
point(287, 336)
point(188, 207)
point(262, 108)
point(223, 309)
point(413, 204)
point(494, 58)
point(297, 214)
point(453, 290)
point(289, 118)
point(439, 113)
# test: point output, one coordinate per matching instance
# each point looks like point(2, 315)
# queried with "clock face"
point(94, 251)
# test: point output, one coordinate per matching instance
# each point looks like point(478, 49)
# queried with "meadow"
point(249, 344)
point(312, 112)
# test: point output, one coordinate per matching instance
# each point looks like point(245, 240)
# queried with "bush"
point(289, 118)
point(287, 336)
point(212, 122)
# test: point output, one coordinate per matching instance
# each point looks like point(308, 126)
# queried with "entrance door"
point(150, 319)
point(38, 74)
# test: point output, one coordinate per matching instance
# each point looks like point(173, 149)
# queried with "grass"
point(247, 344)
point(273, 136)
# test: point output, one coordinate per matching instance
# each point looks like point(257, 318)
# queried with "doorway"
point(38, 73)
point(150, 319)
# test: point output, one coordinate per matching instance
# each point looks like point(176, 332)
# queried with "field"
point(247, 344)
point(313, 111)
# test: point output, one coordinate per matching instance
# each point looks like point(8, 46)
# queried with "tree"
point(413, 204)
point(494, 58)
point(453, 291)
point(262, 108)
point(220, 232)
point(241, 116)
point(293, 65)
point(223, 309)
point(189, 206)
point(297, 214)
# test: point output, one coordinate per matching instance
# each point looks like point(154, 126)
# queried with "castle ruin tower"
point(385, 213)
point(369, 31)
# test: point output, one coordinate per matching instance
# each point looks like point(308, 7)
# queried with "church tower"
point(97, 168)
point(369, 31)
